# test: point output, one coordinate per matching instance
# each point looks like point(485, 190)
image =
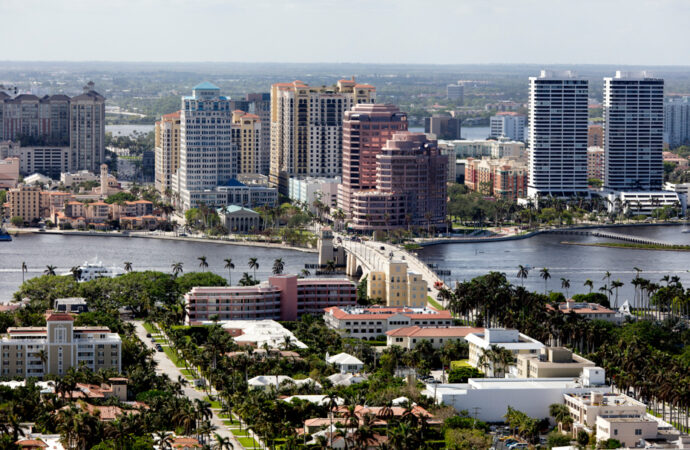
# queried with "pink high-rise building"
point(366, 128)
point(411, 176)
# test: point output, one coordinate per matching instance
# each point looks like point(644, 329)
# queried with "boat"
point(4, 236)
point(92, 270)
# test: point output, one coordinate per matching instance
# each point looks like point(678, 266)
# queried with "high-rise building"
point(633, 132)
point(260, 104)
point(411, 176)
point(167, 150)
point(677, 121)
point(595, 163)
point(455, 92)
point(595, 135)
point(443, 126)
point(508, 124)
point(207, 154)
point(306, 128)
point(246, 136)
point(558, 135)
point(366, 128)
point(87, 129)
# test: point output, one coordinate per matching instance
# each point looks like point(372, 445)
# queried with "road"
point(166, 366)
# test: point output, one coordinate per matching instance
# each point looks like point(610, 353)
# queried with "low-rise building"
point(551, 362)
point(74, 305)
point(409, 337)
point(276, 381)
point(63, 346)
point(374, 321)
point(260, 334)
point(282, 297)
point(586, 407)
point(238, 219)
point(82, 176)
point(503, 178)
point(509, 339)
point(491, 148)
point(672, 158)
point(642, 202)
point(626, 430)
point(307, 190)
point(591, 311)
point(397, 286)
point(346, 363)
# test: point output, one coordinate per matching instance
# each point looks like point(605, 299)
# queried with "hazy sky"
point(646, 32)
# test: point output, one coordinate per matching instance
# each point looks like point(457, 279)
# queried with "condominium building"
point(595, 163)
point(25, 202)
point(558, 135)
point(634, 127)
point(409, 337)
point(551, 362)
point(509, 339)
point(492, 148)
point(31, 119)
point(207, 156)
point(374, 321)
point(443, 126)
point(53, 349)
point(260, 105)
point(307, 128)
point(508, 124)
point(411, 177)
point(308, 190)
point(282, 297)
point(167, 150)
point(677, 121)
point(87, 129)
point(246, 135)
point(397, 286)
point(595, 135)
point(366, 129)
point(502, 178)
point(456, 92)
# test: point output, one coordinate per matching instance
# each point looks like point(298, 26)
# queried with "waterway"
point(128, 130)
point(39, 250)
point(573, 262)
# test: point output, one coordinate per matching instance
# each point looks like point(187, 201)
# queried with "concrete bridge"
point(616, 236)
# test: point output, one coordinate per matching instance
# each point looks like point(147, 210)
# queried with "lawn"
point(214, 403)
point(231, 423)
point(173, 357)
point(187, 373)
point(150, 328)
point(248, 442)
point(434, 303)
point(458, 364)
point(240, 433)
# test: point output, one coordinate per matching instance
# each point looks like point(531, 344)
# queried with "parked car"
point(148, 335)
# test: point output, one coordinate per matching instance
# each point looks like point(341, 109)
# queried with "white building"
point(308, 189)
point(82, 176)
point(409, 337)
point(677, 121)
point(492, 148)
point(509, 339)
point(634, 127)
point(207, 155)
point(682, 190)
point(558, 117)
point(642, 202)
point(276, 381)
point(508, 124)
point(259, 333)
point(346, 363)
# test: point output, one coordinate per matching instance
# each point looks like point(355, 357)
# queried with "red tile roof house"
point(409, 337)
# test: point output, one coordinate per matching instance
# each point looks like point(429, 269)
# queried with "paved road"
point(166, 366)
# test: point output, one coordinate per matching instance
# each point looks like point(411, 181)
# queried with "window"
point(638, 431)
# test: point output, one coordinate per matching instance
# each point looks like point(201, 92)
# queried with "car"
point(148, 335)
point(518, 445)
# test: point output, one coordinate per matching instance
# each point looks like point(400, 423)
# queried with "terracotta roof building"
point(409, 337)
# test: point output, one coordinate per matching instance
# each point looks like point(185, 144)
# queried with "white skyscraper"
point(508, 124)
point(207, 155)
point(633, 132)
point(677, 121)
point(558, 135)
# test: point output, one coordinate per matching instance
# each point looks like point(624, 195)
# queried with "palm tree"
point(565, 284)
point(202, 263)
point(76, 272)
point(607, 276)
point(330, 266)
point(278, 266)
point(24, 270)
point(305, 273)
point(615, 285)
point(545, 275)
point(177, 268)
point(522, 273)
point(254, 264)
point(128, 266)
point(590, 284)
point(50, 270)
point(163, 440)
point(222, 443)
point(43, 356)
point(229, 265)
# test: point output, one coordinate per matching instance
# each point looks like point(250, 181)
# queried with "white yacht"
point(91, 270)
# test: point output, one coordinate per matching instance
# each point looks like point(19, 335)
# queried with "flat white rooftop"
point(260, 332)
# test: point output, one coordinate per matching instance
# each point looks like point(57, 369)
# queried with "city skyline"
point(486, 29)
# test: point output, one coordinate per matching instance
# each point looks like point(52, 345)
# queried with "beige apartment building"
point(53, 349)
point(246, 135)
point(397, 286)
point(25, 202)
point(551, 362)
point(307, 128)
point(167, 150)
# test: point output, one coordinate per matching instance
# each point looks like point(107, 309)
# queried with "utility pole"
point(475, 409)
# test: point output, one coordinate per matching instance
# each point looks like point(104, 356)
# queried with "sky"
point(636, 32)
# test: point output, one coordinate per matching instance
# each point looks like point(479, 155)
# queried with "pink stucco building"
point(282, 297)
point(411, 176)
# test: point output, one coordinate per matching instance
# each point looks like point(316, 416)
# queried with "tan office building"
point(246, 135)
point(167, 150)
point(396, 286)
point(53, 349)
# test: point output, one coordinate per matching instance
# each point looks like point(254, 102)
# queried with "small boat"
point(4, 236)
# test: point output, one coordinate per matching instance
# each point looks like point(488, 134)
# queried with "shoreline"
point(626, 247)
point(170, 238)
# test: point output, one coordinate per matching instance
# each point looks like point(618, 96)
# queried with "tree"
point(590, 284)
point(50, 270)
point(522, 273)
point(202, 263)
point(565, 284)
point(76, 272)
point(582, 437)
point(17, 221)
point(278, 266)
point(128, 266)
point(304, 273)
point(461, 374)
point(254, 264)
point(229, 265)
point(545, 275)
point(176, 269)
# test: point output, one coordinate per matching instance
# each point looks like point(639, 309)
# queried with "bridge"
point(615, 236)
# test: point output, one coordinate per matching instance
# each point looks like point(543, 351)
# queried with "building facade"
point(409, 337)
point(443, 126)
point(246, 135)
point(509, 339)
point(508, 124)
point(25, 202)
point(491, 148)
point(167, 150)
point(595, 163)
point(308, 190)
point(558, 117)
point(237, 219)
point(456, 93)
point(501, 178)
point(306, 128)
point(9, 173)
point(677, 121)
point(63, 345)
point(595, 135)
point(397, 286)
point(634, 127)
point(551, 362)
point(87, 129)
